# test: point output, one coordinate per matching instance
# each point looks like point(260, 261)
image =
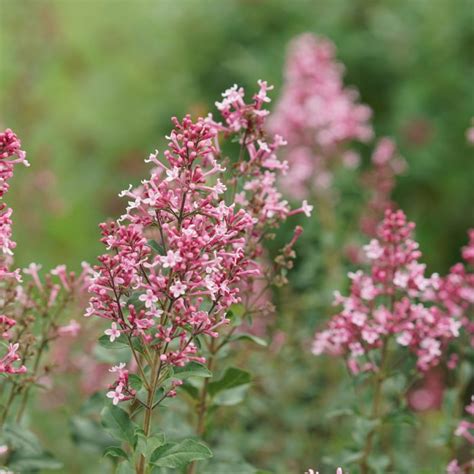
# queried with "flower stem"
point(376, 410)
point(202, 405)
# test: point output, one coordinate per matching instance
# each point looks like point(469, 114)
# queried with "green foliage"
point(249, 337)
point(232, 378)
point(88, 112)
point(27, 452)
point(117, 422)
point(89, 435)
point(178, 455)
point(193, 369)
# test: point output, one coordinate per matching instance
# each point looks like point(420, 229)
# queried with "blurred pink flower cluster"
point(317, 115)
point(31, 310)
point(11, 154)
point(456, 291)
point(187, 247)
point(394, 300)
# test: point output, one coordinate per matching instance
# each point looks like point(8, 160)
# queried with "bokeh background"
point(90, 87)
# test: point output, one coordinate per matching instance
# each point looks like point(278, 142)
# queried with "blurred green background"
point(90, 87)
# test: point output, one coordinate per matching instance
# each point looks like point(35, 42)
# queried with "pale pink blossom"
point(207, 245)
point(171, 259)
point(411, 318)
point(318, 115)
point(113, 332)
point(116, 394)
point(72, 329)
point(149, 298)
point(178, 289)
point(33, 270)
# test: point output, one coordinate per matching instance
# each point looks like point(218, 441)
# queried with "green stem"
point(26, 392)
point(8, 405)
point(376, 410)
point(141, 468)
point(202, 405)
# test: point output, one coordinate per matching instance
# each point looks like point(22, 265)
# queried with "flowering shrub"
point(456, 292)
point(185, 252)
point(318, 116)
point(389, 302)
point(186, 297)
point(388, 316)
point(30, 320)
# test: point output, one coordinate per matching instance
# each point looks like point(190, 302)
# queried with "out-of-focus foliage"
point(90, 87)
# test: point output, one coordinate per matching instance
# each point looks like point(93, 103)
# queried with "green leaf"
point(125, 468)
point(178, 455)
point(119, 343)
point(27, 452)
point(115, 452)
point(232, 396)
point(21, 462)
point(93, 404)
point(232, 377)
point(89, 434)
point(112, 355)
point(117, 422)
point(379, 463)
point(191, 390)
point(362, 428)
point(192, 369)
point(135, 382)
point(138, 345)
point(134, 300)
point(339, 413)
point(157, 247)
point(147, 445)
point(21, 439)
point(249, 337)
point(349, 457)
point(401, 416)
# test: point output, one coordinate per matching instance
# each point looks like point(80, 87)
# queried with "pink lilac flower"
point(7, 361)
point(113, 332)
point(149, 298)
point(184, 251)
point(317, 115)
point(428, 393)
point(11, 154)
point(116, 394)
point(33, 270)
point(171, 259)
point(72, 329)
point(6, 324)
point(208, 234)
point(389, 301)
point(456, 289)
